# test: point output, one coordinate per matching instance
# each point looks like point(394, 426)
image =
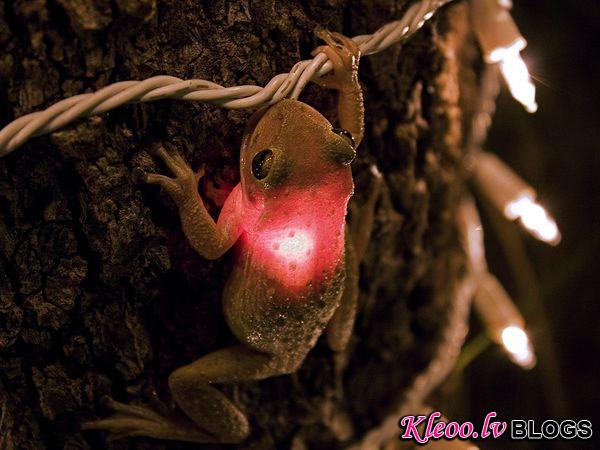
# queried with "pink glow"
point(293, 246)
point(298, 240)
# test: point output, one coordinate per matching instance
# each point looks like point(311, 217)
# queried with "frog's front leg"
point(208, 238)
point(211, 240)
point(358, 234)
point(344, 54)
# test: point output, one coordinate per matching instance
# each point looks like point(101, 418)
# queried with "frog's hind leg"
point(211, 416)
point(361, 226)
point(208, 407)
point(358, 234)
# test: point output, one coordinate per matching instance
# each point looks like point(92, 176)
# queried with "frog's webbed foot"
point(344, 54)
point(136, 420)
point(184, 186)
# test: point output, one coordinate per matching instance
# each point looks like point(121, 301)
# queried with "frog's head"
point(291, 146)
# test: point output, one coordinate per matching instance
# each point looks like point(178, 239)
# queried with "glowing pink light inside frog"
point(293, 245)
point(290, 254)
point(297, 241)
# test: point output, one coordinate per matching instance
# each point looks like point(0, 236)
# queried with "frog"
point(295, 270)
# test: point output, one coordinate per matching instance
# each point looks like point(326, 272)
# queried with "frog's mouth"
point(342, 154)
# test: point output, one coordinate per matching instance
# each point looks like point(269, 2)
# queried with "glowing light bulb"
point(517, 344)
point(493, 305)
point(501, 53)
point(519, 82)
point(534, 218)
point(503, 321)
point(501, 42)
point(513, 197)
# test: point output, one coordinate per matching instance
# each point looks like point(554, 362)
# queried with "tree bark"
point(100, 294)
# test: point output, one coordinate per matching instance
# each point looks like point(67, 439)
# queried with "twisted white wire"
point(161, 87)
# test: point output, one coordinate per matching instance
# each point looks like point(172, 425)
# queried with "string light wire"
point(162, 87)
point(443, 361)
point(503, 321)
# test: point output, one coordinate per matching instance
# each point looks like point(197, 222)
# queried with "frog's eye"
point(346, 135)
point(262, 163)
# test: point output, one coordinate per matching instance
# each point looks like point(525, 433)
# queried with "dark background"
point(556, 150)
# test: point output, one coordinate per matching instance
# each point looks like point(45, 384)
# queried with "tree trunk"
point(100, 294)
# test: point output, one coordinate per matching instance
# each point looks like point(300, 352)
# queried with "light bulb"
point(501, 43)
point(515, 73)
point(512, 196)
point(503, 321)
point(501, 53)
point(517, 344)
point(534, 218)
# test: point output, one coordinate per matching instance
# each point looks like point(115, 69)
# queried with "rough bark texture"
point(99, 292)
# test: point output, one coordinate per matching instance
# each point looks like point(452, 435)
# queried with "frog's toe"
point(129, 420)
point(346, 43)
point(341, 47)
point(327, 36)
point(172, 159)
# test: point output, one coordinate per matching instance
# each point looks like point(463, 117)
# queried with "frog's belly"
point(273, 318)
